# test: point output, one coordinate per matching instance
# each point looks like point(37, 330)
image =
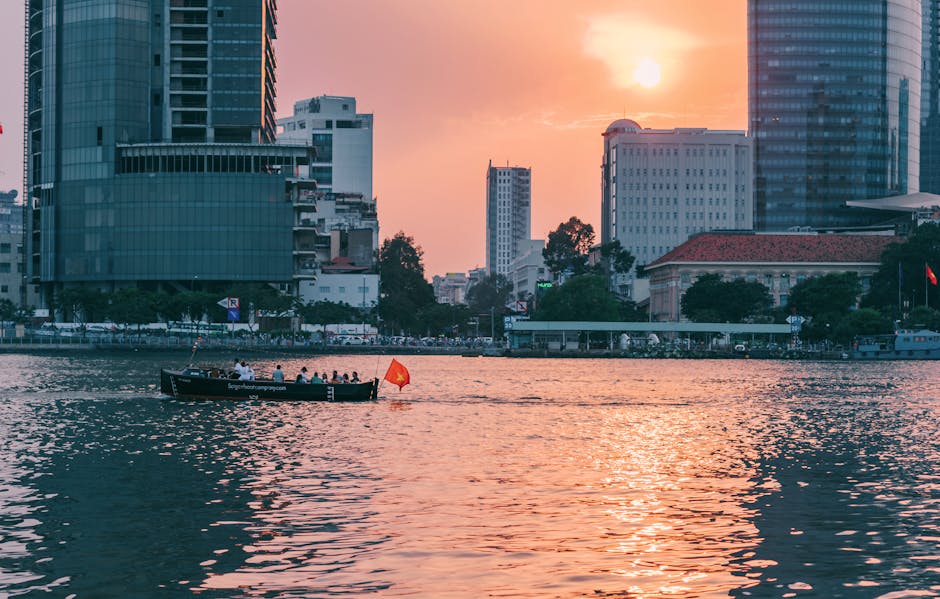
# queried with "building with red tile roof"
point(778, 261)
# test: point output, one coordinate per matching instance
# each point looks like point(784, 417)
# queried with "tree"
point(903, 269)
point(710, 299)
point(568, 246)
point(81, 304)
point(445, 319)
point(132, 306)
point(834, 293)
point(580, 298)
point(923, 317)
point(616, 258)
point(8, 310)
point(190, 305)
point(324, 312)
point(491, 294)
point(864, 321)
point(404, 291)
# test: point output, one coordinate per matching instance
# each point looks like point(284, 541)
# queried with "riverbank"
point(186, 347)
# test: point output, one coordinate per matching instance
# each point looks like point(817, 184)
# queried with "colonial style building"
point(778, 261)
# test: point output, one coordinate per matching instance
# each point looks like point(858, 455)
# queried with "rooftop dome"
point(621, 125)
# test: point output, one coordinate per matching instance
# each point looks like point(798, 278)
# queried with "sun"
point(647, 73)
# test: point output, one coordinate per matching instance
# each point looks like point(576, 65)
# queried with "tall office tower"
point(148, 152)
point(508, 215)
point(930, 100)
point(834, 95)
point(659, 186)
point(341, 138)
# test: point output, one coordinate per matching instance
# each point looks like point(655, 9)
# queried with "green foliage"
point(445, 319)
point(865, 321)
point(191, 305)
point(584, 297)
point(616, 258)
point(922, 247)
point(923, 317)
point(131, 306)
point(832, 293)
point(81, 304)
point(567, 247)
point(8, 310)
point(324, 312)
point(710, 299)
point(491, 293)
point(404, 291)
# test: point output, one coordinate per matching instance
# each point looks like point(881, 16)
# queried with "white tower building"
point(660, 186)
point(342, 139)
point(508, 215)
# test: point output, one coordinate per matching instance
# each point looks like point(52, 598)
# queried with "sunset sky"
point(456, 83)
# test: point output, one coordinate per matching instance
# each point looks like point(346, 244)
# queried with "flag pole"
point(900, 277)
point(925, 281)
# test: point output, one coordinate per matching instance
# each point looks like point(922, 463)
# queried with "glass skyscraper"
point(930, 100)
point(150, 156)
point(834, 93)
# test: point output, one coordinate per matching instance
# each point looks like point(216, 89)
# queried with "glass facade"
point(834, 92)
point(930, 100)
point(125, 186)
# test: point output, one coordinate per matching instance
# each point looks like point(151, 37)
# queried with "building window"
point(156, 60)
point(5, 267)
point(324, 289)
point(5, 248)
point(342, 290)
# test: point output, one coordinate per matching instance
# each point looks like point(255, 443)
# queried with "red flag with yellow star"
point(397, 374)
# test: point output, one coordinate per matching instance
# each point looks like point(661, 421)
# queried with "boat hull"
point(902, 345)
point(193, 384)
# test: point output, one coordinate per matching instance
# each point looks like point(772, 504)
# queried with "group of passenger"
point(336, 379)
point(242, 371)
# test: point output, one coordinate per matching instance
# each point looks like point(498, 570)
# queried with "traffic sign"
point(233, 314)
point(229, 302)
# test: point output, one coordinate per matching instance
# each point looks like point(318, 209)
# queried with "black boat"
point(206, 383)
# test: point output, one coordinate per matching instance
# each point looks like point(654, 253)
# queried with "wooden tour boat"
point(199, 383)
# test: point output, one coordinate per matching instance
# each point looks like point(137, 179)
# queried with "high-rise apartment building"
point(149, 155)
point(341, 138)
point(508, 215)
point(834, 95)
point(660, 186)
point(337, 233)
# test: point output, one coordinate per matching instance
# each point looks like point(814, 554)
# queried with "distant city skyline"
point(455, 84)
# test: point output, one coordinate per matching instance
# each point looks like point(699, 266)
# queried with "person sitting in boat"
point(335, 379)
point(247, 373)
point(345, 378)
point(278, 374)
point(302, 376)
point(355, 377)
point(325, 378)
point(316, 379)
point(236, 370)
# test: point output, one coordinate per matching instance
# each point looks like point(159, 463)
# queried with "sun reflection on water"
point(488, 477)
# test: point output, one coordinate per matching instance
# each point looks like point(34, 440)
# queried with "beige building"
point(661, 186)
point(778, 261)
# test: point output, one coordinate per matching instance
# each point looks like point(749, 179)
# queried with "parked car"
point(349, 340)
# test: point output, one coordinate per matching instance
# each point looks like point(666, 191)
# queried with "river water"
point(487, 477)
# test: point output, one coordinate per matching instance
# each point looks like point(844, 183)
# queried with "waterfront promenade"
point(258, 346)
